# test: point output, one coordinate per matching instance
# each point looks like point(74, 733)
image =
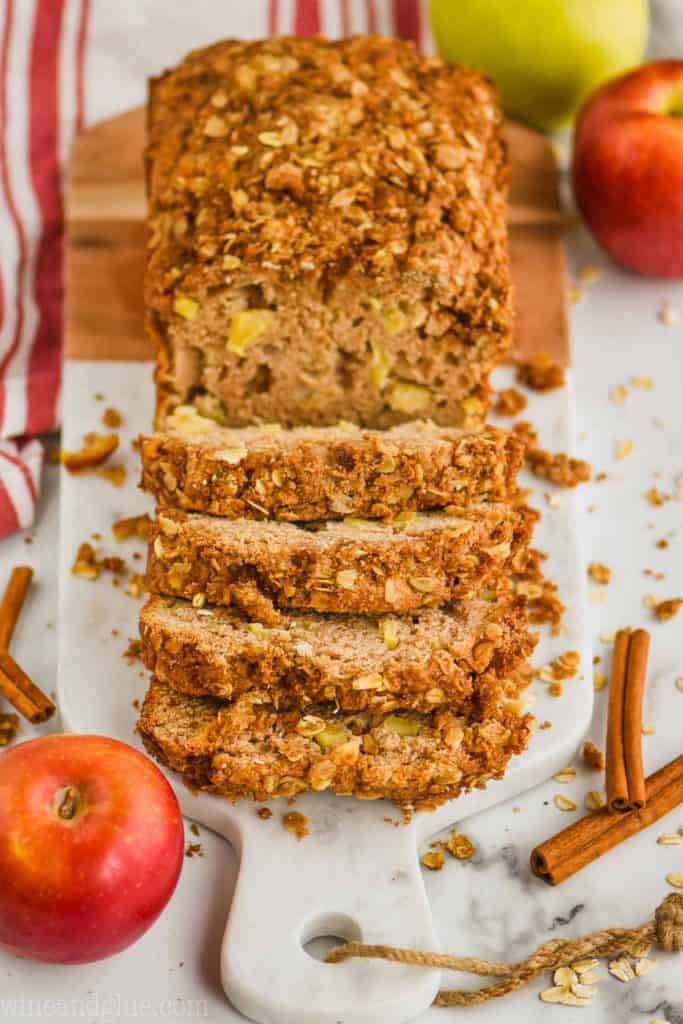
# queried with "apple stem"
point(68, 805)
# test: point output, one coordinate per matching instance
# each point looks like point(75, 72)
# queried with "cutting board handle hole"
point(325, 931)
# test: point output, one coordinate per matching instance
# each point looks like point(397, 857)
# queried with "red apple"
point(628, 168)
point(91, 846)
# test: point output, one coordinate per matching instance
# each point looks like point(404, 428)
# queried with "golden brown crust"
point(466, 658)
point(325, 473)
point(247, 749)
point(308, 179)
point(357, 566)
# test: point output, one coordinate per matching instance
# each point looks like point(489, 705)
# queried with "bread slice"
point(355, 565)
point(246, 748)
point(312, 473)
point(468, 657)
point(327, 234)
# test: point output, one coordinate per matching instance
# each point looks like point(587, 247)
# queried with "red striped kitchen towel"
point(66, 63)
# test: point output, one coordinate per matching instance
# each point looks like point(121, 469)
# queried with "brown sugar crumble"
point(509, 402)
point(558, 467)
point(194, 829)
point(112, 418)
point(543, 603)
point(9, 727)
point(264, 813)
point(592, 757)
point(599, 572)
point(540, 373)
point(665, 610)
point(460, 846)
point(434, 860)
point(133, 651)
point(296, 823)
point(194, 850)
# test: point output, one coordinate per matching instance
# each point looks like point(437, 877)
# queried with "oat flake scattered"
point(619, 393)
point(644, 383)
point(648, 728)
point(564, 803)
point(594, 800)
point(565, 775)
point(674, 839)
point(675, 878)
point(623, 448)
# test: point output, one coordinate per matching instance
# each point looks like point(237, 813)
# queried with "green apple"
point(546, 56)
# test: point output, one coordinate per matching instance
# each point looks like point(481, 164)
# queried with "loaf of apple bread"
point(327, 234)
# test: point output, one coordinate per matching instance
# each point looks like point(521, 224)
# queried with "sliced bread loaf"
point(468, 657)
point(355, 565)
point(246, 748)
point(312, 473)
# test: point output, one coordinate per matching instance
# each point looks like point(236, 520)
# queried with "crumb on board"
point(540, 373)
point(509, 402)
point(592, 757)
point(434, 860)
point(667, 609)
point(296, 823)
point(599, 572)
point(264, 813)
point(112, 418)
point(194, 850)
point(133, 651)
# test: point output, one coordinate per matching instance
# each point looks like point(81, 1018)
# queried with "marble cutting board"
point(356, 876)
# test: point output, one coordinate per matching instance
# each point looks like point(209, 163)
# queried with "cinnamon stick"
point(587, 839)
point(625, 778)
point(633, 716)
point(12, 602)
point(615, 763)
point(22, 692)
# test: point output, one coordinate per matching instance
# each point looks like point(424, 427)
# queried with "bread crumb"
point(665, 610)
point(264, 813)
point(112, 418)
point(540, 373)
point(599, 572)
point(433, 859)
point(133, 651)
point(194, 850)
point(509, 402)
point(592, 757)
point(296, 823)
point(619, 393)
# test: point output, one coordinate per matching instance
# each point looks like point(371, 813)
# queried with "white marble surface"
point(490, 906)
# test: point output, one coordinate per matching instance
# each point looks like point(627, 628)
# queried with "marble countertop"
point(490, 906)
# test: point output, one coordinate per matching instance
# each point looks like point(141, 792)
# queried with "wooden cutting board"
point(105, 240)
